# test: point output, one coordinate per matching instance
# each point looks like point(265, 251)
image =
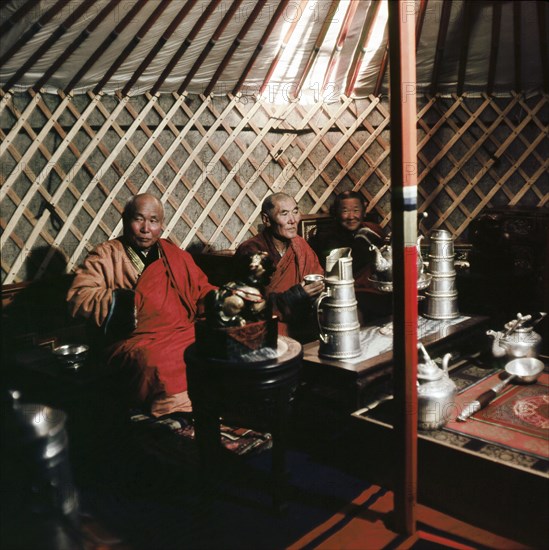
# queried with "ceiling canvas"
point(279, 49)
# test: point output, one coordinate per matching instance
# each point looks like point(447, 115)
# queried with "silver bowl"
point(313, 278)
point(423, 281)
point(71, 355)
point(526, 369)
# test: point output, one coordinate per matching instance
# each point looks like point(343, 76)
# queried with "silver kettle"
point(384, 261)
point(518, 339)
point(435, 392)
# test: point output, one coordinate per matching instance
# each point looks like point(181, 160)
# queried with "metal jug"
point(336, 309)
point(435, 392)
point(36, 476)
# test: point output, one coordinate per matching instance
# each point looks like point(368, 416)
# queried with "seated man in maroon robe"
point(350, 229)
point(291, 298)
point(158, 287)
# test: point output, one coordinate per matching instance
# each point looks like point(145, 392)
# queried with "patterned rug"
point(171, 436)
point(518, 418)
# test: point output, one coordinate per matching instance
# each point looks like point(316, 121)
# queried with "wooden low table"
point(347, 382)
point(256, 393)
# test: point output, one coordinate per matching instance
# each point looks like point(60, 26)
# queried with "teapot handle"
point(321, 334)
point(446, 362)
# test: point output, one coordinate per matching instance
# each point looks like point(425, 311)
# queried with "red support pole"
point(404, 225)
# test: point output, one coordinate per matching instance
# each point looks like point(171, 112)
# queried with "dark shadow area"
point(35, 312)
point(509, 266)
point(155, 499)
point(219, 266)
point(195, 248)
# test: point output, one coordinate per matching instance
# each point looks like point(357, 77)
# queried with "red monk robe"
point(166, 296)
point(290, 302)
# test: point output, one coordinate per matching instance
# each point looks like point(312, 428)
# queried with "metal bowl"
point(382, 286)
point(71, 355)
point(313, 278)
point(526, 369)
point(423, 281)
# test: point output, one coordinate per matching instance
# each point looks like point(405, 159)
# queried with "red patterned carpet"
point(517, 419)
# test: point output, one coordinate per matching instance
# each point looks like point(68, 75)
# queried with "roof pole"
point(404, 225)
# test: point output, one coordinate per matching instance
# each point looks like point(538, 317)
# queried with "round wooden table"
point(254, 394)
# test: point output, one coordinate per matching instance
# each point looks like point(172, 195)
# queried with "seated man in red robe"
point(157, 286)
point(349, 229)
point(291, 298)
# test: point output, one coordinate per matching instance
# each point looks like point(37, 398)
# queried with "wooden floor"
point(357, 526)
point(370, 529)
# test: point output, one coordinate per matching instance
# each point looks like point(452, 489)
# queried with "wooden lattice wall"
point(68, 164)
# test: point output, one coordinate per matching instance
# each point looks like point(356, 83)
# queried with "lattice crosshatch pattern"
point(69, 163)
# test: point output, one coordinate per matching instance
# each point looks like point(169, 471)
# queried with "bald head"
point(143, 218)
point(139, 200)
point(271, 201)
point(280, 216)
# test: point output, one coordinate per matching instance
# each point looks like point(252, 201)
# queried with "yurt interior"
point(275, 274)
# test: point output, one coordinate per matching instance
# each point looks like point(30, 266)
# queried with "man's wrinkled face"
point(144, 227)
point(350, 214)
point(283, 219)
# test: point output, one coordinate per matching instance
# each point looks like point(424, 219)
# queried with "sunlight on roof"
point(279, 88)
point(282, 87)
point(378, 31)
point(300, 31)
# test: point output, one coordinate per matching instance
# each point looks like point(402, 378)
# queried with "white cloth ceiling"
point(472, 47)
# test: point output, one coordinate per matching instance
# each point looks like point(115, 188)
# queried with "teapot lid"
point(429, 371)
point(339, 263)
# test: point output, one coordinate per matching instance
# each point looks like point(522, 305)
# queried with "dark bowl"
point(71, 354)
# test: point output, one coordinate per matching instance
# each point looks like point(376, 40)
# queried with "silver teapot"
point(384, 261)
point(435, 392)
point(518, 339)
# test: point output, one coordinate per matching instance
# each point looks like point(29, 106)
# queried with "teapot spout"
point(497, 349)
